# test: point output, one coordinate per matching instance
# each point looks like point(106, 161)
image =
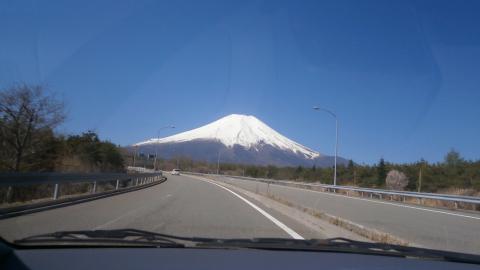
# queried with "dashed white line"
point(124, 215)
point(110, 222)
point(277, 222)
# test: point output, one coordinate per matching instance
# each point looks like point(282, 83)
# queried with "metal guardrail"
point(378, 193)
point(10, 180)
point(141, 169)
point(18, 179)
point(131, 182)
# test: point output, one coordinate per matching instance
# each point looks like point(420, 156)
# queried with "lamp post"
point(156, 148)
point(336, 141)
point(134, 155)
point(218, 162)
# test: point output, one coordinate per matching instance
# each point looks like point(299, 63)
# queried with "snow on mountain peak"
point(238, 129)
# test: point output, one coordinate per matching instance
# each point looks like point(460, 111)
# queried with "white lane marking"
point(110, 222)
point(388, 203)
point(277, 222)
point(129, 213)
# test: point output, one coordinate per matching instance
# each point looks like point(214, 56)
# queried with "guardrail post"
point(118, 182)
point(55, 192)
point(94, 189)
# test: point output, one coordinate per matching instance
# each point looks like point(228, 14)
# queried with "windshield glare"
point(241, 120)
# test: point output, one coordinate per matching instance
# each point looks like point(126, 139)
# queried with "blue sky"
point(402, 76)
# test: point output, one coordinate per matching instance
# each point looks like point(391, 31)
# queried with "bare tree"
point(396, 180)
point(26, 112)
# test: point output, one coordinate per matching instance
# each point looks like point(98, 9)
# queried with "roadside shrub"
point(396, 180)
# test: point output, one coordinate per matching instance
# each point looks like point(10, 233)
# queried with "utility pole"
point(420, 179)
point(135, 155)
point(218, 162)
point(354, 177)
point(158, 144)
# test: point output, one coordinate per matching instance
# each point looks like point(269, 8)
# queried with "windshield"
point(242, 119)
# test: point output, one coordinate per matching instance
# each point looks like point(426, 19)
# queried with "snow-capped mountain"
point(238, 129)
point(236, 138)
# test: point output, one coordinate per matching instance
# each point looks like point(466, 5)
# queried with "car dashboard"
point(204, 258)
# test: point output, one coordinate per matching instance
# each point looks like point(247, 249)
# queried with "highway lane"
point(428, 227)
point(180, 206)
point(187, 206)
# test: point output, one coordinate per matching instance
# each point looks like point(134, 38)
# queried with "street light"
point(156, 148)
point(336, 140)
point(218, 162)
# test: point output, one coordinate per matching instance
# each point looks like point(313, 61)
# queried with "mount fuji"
point(237, 138)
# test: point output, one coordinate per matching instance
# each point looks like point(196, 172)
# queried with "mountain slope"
point(237, 129)
point(236, 138)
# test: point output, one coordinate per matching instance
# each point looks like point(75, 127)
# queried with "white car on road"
point(175, 172)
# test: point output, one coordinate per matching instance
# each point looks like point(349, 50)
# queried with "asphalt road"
point(180, 206)
point(424, 226)
point(187, 206)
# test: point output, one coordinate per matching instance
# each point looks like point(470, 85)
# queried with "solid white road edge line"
point(277, 222)
point(380, 202)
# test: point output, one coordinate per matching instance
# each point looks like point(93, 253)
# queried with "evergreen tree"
point(453, 158)
point(381, 172)
point(350, 165)
point(298, 172)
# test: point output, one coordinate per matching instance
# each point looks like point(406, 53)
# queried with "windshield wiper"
point(151, 239)
point(339, 244)
point(121, 236)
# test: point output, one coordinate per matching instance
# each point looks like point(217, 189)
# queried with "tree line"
point(29, 143)
point(452, 172)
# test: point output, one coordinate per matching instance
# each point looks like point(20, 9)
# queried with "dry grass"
point(451, 205)
point(372, 234)
point(24, 195)
point(426, 202)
